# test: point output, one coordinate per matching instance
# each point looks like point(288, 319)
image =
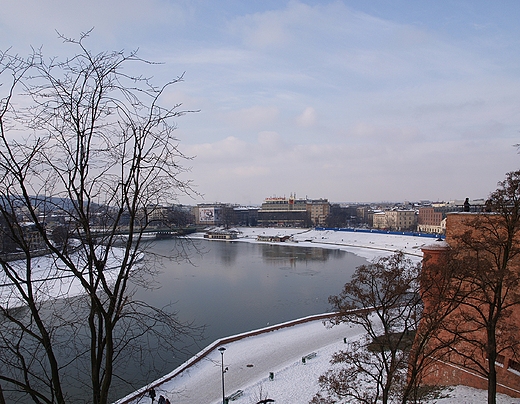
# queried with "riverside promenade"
point(255, 363)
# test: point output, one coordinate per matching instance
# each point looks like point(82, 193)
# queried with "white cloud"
point(308, 118)
point(226, 151)
point(271, 143)
point(226, 56)
point(265, 31)
point(329, 99)
point(246, 172)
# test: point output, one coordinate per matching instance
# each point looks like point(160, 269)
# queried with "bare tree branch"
point(99, 149)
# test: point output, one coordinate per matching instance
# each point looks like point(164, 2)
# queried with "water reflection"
point(276, 254)
point(235, 287)
point(227, 256)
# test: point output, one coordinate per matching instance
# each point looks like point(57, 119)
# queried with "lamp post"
point(221, 350)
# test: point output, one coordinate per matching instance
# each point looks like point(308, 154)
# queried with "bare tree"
point(402, 308)
point(486, 254)
point(383, 298)
point(436, 289)
point(84, 137)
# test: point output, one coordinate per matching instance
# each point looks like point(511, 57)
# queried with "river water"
point(233, 287)
point(227, 287)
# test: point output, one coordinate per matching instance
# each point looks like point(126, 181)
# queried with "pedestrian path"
point(252, 364)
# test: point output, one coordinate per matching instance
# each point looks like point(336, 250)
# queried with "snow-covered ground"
point(363, 243)
point(51, 279)
point(252, 359)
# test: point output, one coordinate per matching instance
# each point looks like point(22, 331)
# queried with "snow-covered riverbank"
point(366, 244)
point(251, 359)
point(269, 365)
point(50, 278)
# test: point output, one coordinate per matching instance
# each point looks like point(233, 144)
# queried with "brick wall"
point(449, 370)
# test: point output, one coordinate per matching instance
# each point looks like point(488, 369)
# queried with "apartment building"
point(398, 219)
point(430, 220)
point(319, 210)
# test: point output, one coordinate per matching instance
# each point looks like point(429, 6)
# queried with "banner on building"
point(208, 215)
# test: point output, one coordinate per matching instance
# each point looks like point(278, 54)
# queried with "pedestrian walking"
point(151, 393)
point(162, 400)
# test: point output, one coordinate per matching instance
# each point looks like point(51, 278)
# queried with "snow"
point(249, 360)
point(366, 244)
point(52, 279)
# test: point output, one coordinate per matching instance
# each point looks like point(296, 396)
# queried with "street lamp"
point(221, 350)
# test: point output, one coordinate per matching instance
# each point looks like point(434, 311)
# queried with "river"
point(233, 287)
point(227, 287)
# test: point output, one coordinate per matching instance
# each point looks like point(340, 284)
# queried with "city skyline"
point(425, 202)
point(352, 101)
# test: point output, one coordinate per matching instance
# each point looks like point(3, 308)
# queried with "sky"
point(352, 101)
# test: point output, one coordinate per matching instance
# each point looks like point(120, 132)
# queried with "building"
point(458, 362)
point(429, 220)
point(27, 231)
point(379, 220)
point(284, 212)
point(342, 216)
point(207, 214)
point(210, 214)
point(319, 210)
point(396, 219)
point(365, 215)
point(245, 216)
point(293, 212)
point(224, 214)
point(153, 216)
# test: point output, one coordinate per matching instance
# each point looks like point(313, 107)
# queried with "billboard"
point(208, 215)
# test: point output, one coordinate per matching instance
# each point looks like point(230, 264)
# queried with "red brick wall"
point(446, 372)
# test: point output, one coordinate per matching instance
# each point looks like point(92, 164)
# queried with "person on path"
point(467, 205)
point(162, 400)
point(151, 392)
